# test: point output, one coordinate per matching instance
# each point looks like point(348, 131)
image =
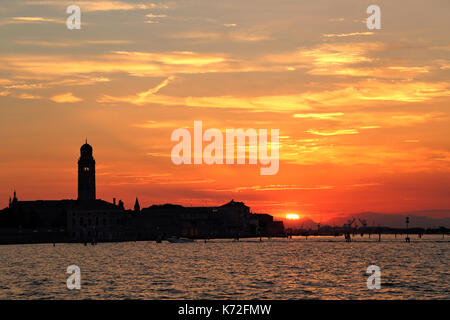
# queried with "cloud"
point(65, 98)
point(140, 98)
point(354, 95)
point(18, 20)
point(63, 44)
point(263, 103)
point(325, 59)
point(336, 19)
point(369, 127)
point(272, 187)
point(133, 63)
point(159, 179)
point(407, 91)
point(92, 6)
point(156, 125)
point(152, 15)
point(332, 133)
point(329, 54)
point(340, 35)
point(33, 19)
point(319, 116)
point(79, 81)
point(398, 159)
point(352, 60)
point(184, 181)
point(237, 36)
point(387, 72)
point(27, 96)
point(348, 59)
point(175, 58)
point(378, 119)
point(364, 185)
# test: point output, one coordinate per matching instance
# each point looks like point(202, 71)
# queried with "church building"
point(86, 219)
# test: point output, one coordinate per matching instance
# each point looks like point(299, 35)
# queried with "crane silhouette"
point(363, 222)
point(364, 225)
point(349, 223)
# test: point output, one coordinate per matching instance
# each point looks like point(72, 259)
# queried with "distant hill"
point(423, 218)
point(304, 223)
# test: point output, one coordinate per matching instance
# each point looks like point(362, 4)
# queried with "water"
point(319, 268)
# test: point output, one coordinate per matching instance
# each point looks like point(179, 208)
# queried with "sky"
point(363, 114)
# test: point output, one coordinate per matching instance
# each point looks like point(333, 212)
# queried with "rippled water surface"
point(317, 268)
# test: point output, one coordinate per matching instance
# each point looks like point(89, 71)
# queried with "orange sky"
point(363, 114)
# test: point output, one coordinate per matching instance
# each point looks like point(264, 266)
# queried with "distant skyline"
point(363, 114)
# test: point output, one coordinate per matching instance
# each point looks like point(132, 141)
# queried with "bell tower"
point(86, 173)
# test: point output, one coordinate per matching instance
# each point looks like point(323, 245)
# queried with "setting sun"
point(292, 216)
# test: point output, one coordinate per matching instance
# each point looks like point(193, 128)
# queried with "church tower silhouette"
point(86, 174)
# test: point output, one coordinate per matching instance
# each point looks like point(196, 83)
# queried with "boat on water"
point(179, 240)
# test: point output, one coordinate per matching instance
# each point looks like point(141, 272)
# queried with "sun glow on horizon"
point(292, 216)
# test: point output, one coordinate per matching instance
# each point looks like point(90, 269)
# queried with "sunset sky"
point(363, 115)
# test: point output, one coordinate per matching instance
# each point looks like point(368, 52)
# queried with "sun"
point(292, 216)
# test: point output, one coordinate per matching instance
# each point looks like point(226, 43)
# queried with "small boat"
point(179, 240)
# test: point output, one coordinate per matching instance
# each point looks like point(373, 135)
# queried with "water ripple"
point(319, 268)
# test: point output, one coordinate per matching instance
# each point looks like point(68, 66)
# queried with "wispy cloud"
point(332, 133)
point(33, 19)
point(156, 125)
point(153, 16)
point(44, 83)
point(273, 187)
point(91, 6)
point(330, 54)
point(352, 34)
point(237, 36)
point(348, 59)
point(134, 63)
point(19, 20)
point(357, 94)
point(319, 116)
point(28, 96)
point(336, 19)
point(65, 98)
point(64, 44)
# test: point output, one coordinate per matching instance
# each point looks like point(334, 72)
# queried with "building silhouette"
point(88, 219)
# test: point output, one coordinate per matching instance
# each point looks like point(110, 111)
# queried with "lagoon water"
point(316, 268)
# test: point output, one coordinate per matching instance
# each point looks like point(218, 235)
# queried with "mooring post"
point(407, 236)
